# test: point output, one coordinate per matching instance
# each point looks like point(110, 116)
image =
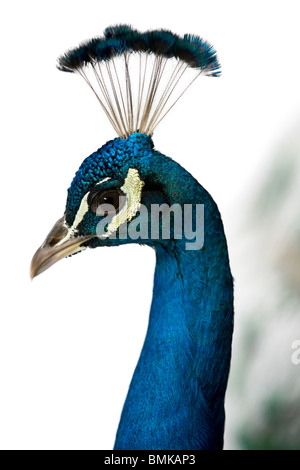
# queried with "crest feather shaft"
point(138, 77)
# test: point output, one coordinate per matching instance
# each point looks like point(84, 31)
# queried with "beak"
point(58, 244)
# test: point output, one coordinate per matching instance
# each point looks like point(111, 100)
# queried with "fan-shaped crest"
point(138, 77)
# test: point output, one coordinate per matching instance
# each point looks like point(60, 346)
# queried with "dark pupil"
point(110, 200)
point(109, 197)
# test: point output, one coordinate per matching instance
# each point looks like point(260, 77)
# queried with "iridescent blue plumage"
point(191, 49)
point(176, 397)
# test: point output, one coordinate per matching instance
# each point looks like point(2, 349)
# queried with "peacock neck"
point(176, 397)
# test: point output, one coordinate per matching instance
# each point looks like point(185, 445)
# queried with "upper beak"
point(57, 245)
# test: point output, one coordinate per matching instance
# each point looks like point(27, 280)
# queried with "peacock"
point(176, 397)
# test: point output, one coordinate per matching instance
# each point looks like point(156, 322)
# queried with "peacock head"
point(111, 198)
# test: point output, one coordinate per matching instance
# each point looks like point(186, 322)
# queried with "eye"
point(111, 197)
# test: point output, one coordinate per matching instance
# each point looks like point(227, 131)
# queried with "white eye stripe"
point(83, 209)
point(132, 188)
point(103, 181)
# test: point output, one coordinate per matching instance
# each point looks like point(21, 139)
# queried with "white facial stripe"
point(132, 188)
point(83, 208)
point(103, 181)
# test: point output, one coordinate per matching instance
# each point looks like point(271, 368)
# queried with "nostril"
point(58, 232)
point(57, 238)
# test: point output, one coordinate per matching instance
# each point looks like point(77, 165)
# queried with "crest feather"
point(135, 100)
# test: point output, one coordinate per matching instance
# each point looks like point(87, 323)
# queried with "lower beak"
point(57, 245)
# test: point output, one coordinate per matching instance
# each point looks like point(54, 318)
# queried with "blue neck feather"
point(175, 401)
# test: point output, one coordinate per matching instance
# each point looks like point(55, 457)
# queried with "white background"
point(69, 340)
